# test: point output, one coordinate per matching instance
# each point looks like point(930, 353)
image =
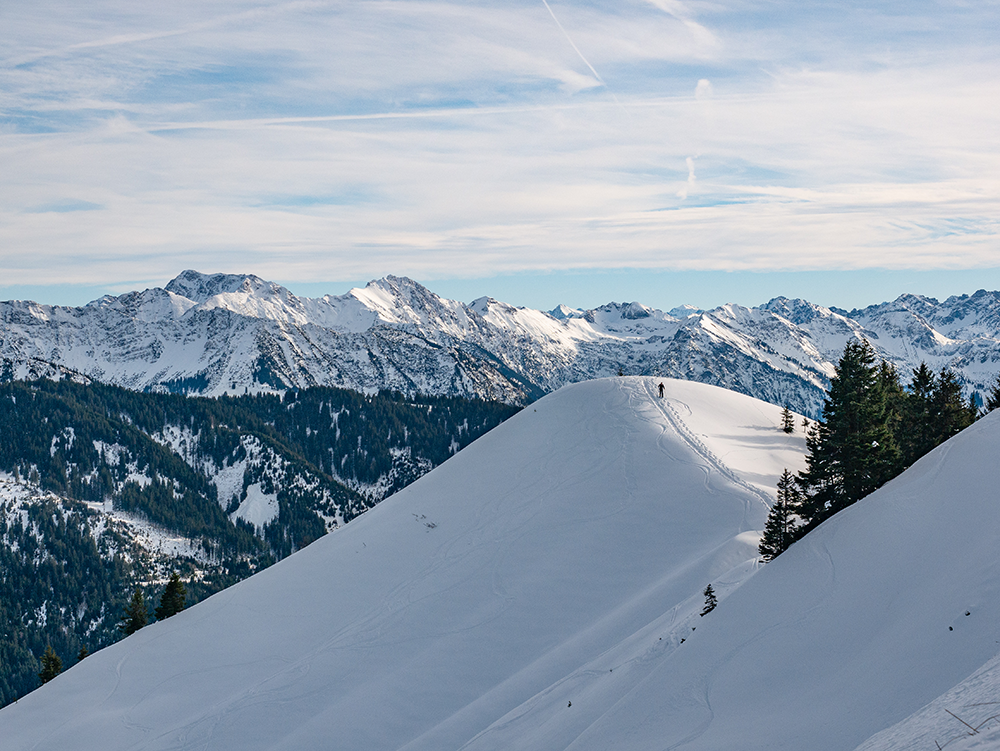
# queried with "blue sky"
point(540, 152)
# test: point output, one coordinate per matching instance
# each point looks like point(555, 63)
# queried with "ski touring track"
point(668, 407)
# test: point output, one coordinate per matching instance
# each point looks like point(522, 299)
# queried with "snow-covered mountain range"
point(542, 590)
point(215, 334)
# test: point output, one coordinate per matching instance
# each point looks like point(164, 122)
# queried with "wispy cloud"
point(348, 140)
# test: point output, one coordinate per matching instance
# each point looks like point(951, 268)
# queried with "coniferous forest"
point(78, 458)
point(873, 428)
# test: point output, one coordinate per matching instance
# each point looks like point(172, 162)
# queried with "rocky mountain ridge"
point(234, 333)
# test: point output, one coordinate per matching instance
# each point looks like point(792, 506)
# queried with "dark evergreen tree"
point(787, 420)
point(172, 601)
point(83, 653)
point(780, 527)
point(51, 665)
point(135, 615)
point(951, 412)
point(916, 434)
point(852, 451)
point(710, 600)
point(993, 398)
point(893, 396)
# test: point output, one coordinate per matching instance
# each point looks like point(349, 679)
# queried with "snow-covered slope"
point(882, 609)
point(227, 333)
point(507, 599)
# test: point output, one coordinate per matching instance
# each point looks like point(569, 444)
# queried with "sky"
point(539, 152)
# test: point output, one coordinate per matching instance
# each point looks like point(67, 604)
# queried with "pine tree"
point(779, 531)
point(83, 653)
point(852, 451)
point(710, 600)
point(51, 665)
point(135, 615)
point(787, 420)
point(172, 601)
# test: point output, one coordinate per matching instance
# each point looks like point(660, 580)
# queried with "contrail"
point(573, 45)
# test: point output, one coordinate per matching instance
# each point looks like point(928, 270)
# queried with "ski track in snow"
point(713, 462)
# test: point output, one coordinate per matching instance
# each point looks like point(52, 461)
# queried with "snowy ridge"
point(556, 561)
point(229, 333)
point(669, 410)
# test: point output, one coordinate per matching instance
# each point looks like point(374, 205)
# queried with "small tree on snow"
point(779, 531)
point(787, 420)
point(710, 600)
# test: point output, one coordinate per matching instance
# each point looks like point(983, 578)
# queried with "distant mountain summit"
point(200, 288)
point(234, 333)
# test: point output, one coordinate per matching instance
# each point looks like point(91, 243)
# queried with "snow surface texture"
point(875, 614)
point(216, 334)
point(508, 599)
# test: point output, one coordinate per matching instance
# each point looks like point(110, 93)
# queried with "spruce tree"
point(135, 615)
point(951, 412)
point(51, 665)
point(993, 398)
point(916, 435)
point(710, 600)
point(780, 527)
point(172, 601)
point(787, 420)
point(83, 653)
point(852, 450)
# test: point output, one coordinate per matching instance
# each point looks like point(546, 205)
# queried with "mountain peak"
point(201, 287)
point(562, 312)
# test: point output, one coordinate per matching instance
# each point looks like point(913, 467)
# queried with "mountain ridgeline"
point(234, 334)
point(103, 489)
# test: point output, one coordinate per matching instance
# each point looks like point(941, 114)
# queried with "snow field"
point(851, 630)
point(561, 556)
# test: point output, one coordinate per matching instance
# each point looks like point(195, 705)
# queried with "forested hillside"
point(104, 489)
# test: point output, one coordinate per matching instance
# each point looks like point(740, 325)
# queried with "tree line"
point(872, 429)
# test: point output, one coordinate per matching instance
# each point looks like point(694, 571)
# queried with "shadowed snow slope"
point(559, 559)
point(880, 610)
